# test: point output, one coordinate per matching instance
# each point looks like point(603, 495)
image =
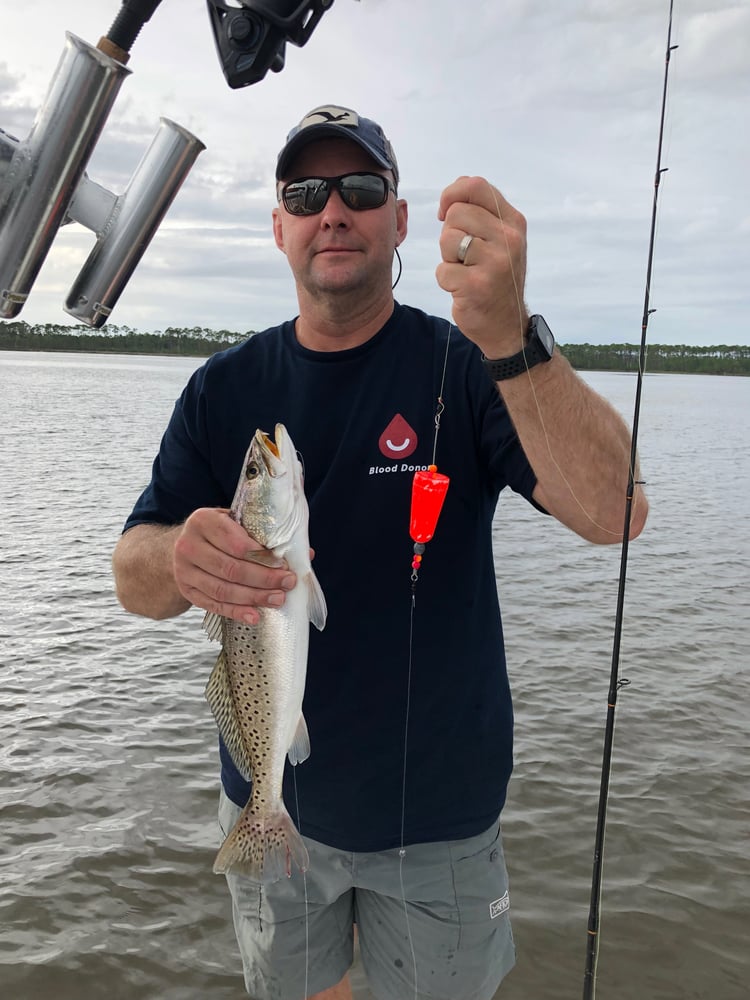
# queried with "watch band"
point(535, 352)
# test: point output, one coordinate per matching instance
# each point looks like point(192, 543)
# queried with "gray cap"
point(331, 121)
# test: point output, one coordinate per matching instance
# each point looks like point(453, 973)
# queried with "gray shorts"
point(453, 936)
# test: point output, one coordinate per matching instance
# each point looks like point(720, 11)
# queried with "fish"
point(256, 688)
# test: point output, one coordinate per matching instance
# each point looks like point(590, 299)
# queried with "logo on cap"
point(330, 115)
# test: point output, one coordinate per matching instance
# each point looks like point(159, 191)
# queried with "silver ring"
point(463, 248)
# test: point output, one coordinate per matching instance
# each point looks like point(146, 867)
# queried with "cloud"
point(723, 30)
point(16, 111)
point(558, 104)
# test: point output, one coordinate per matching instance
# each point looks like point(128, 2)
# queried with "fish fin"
point(264, 557)
point(219, 696)
point(316, 602)
point(262, 847)
point(300, 748)
point(212, 625)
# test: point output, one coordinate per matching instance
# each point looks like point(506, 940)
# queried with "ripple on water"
point(108, 758)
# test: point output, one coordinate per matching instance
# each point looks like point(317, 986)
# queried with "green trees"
point(196, 342)
point(719, 359)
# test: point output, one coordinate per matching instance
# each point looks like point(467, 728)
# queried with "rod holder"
point(129, 221)
point(43, 185)
point(45, 169)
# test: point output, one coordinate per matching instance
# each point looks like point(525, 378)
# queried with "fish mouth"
point(270, 444)
point(271, 450)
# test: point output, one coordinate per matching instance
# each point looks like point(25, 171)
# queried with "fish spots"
point(255, 691)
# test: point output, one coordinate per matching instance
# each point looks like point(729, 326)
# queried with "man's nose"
point(335, 213)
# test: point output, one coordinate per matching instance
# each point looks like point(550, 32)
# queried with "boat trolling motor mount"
point(43, 180)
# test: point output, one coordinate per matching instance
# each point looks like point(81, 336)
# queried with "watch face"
point(545, 335)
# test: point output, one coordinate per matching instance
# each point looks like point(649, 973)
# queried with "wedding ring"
point(463, 248)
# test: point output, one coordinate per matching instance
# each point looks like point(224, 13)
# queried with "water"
point(108, 762)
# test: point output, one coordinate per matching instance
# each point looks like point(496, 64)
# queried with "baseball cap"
point(331, 121)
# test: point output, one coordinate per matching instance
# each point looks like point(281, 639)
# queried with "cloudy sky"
point(557, 103)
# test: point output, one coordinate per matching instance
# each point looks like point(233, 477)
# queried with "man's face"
point(339, 250)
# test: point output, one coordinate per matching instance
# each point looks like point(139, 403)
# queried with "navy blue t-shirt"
point(363, 420)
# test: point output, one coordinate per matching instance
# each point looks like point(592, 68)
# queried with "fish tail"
point(262, 847)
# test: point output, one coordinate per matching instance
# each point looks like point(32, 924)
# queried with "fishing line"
point(304, 884)
point(589, 982)
point(631, 499)
point(402, 849)
point(429, 481)
point(522, 335)
point(441, 405)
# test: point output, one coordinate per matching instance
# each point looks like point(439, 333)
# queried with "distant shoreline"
point(682, 359)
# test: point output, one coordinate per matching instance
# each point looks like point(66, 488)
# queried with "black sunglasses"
point(309, 195)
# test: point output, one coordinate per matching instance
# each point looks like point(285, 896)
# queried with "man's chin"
point(338, 279)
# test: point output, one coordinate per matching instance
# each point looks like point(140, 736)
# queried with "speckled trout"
point(255, 690)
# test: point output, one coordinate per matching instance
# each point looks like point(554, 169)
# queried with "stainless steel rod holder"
point(43, 185)
point(131, 223)
point(41, 176)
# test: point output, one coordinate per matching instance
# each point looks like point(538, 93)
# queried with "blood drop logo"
point(398, 440)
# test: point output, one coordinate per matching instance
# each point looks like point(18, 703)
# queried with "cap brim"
point(322, 131)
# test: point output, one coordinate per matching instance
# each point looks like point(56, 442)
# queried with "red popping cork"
point(427, 495)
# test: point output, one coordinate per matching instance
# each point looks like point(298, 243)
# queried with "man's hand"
point(487, 288)
point(209, 561)
point(219, 567)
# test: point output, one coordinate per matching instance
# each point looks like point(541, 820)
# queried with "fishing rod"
point(615, 683)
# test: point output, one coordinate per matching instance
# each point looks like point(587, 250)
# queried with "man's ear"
point(402, 220)
point(278, 229)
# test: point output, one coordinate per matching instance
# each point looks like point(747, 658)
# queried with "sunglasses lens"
point(309, 195)
point(306, 197)
point(363, 191)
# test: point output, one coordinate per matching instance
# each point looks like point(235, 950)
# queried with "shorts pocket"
point(490, 841)
point(480, 881)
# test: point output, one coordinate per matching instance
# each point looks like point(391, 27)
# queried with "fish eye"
point(251, 470)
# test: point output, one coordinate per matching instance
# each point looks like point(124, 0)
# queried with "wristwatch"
point(540, 345)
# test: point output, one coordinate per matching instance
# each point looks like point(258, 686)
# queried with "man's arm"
point(577, 444)
point(579, 448)
point(143, 563)
point(209, 562)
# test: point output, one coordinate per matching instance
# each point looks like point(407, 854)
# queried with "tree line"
point(718, 359)
point(721, 359)
point(195, 341)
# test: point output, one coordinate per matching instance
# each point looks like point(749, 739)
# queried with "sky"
point(557, 104)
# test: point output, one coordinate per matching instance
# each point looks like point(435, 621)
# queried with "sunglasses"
point(309, 195)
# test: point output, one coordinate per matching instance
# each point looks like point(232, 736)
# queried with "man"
point(408, 709)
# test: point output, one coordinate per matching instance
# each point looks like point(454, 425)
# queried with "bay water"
point(108, 758)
